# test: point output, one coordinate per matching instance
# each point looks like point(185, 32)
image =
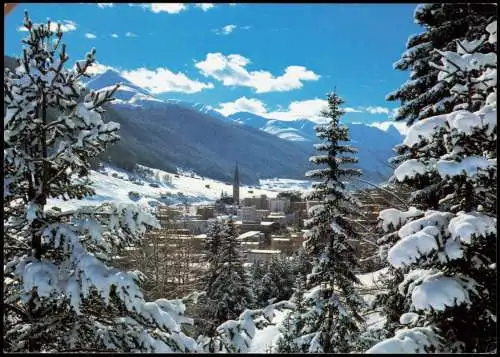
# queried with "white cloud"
point(205, 6)
point(170, 8)
point(90, 35)
point(243, 104)
point(163, 80)
point(130, 34)
point(305, 109)
point(352, 110)
point(226, 30)
point(66, 26)
point(377, 110)
point(231, 71)
point(114, 35)
point(384, 125)
point(98, 68)
point(102, 5)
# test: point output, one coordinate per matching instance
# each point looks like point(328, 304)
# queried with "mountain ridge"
point(171, 134)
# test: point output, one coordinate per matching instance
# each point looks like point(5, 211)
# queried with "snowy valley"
point(134, 222)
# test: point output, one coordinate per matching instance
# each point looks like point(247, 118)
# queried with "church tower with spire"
point(236, 186)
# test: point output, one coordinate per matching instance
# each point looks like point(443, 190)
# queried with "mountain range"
point(170, 134)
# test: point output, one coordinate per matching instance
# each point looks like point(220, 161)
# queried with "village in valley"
point(166, 194)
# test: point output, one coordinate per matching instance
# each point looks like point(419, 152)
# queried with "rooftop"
point(249, 234)
point(265, 251)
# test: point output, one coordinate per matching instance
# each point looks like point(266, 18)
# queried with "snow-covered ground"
point(182, 189)
point(264, 338)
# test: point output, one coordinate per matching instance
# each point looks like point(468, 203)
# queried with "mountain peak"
point(110, 78)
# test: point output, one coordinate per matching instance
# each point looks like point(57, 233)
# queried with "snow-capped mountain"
point(375, 146)
point(167, 134)
point(188, 125)
point(109, 79)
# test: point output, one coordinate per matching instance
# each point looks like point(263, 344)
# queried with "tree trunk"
point(39, 198)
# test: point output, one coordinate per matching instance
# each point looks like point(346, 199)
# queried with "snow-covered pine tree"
point(272, 281)
point(235, 336)
point(291, 330)
point(230, 293)
point(59, 294)
point(257, 270)
point(204, 308)
point(448, 255)
point(231, 289)
point(212, 249)
point(336, 326)
point(423, 96)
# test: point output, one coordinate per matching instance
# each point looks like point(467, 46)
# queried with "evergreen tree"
point(423, 96)
point(212, 248)
point(230, 293)
point(59, 293)
point(272, 281)
point(292, 328)
point(336, 325)
point(448, 255)
point(257, 271)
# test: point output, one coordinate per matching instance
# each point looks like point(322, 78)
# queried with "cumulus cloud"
point(90, 35)
point(169, 8)
point(173, 8)
point(243, 104)
point(231, 71)
point(305, 109)
point(114, 35)
point(130, 34)
point(377, 110)
point(385, 125)
point(205, 6)
point(161, 80)
point(98, 68)
point(102, 5)
point(66, 26)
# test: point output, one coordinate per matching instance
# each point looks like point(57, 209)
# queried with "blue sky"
point(277, 60)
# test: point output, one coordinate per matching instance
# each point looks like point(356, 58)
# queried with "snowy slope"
point(169, 133)
point(194, 190)
point(375, 145)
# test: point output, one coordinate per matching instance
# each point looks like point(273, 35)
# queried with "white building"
point(279, 204)
point(261, 254)
point(248, 214)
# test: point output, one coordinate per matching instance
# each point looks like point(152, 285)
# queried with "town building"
point(206, 212)
point(279, 205)
point(262, 214)
point(260, 203)
point(265, 255)
point(248, 214)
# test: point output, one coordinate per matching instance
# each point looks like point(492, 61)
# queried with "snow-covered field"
point(182, 189)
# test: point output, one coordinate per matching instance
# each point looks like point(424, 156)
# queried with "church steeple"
point(236, 186)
